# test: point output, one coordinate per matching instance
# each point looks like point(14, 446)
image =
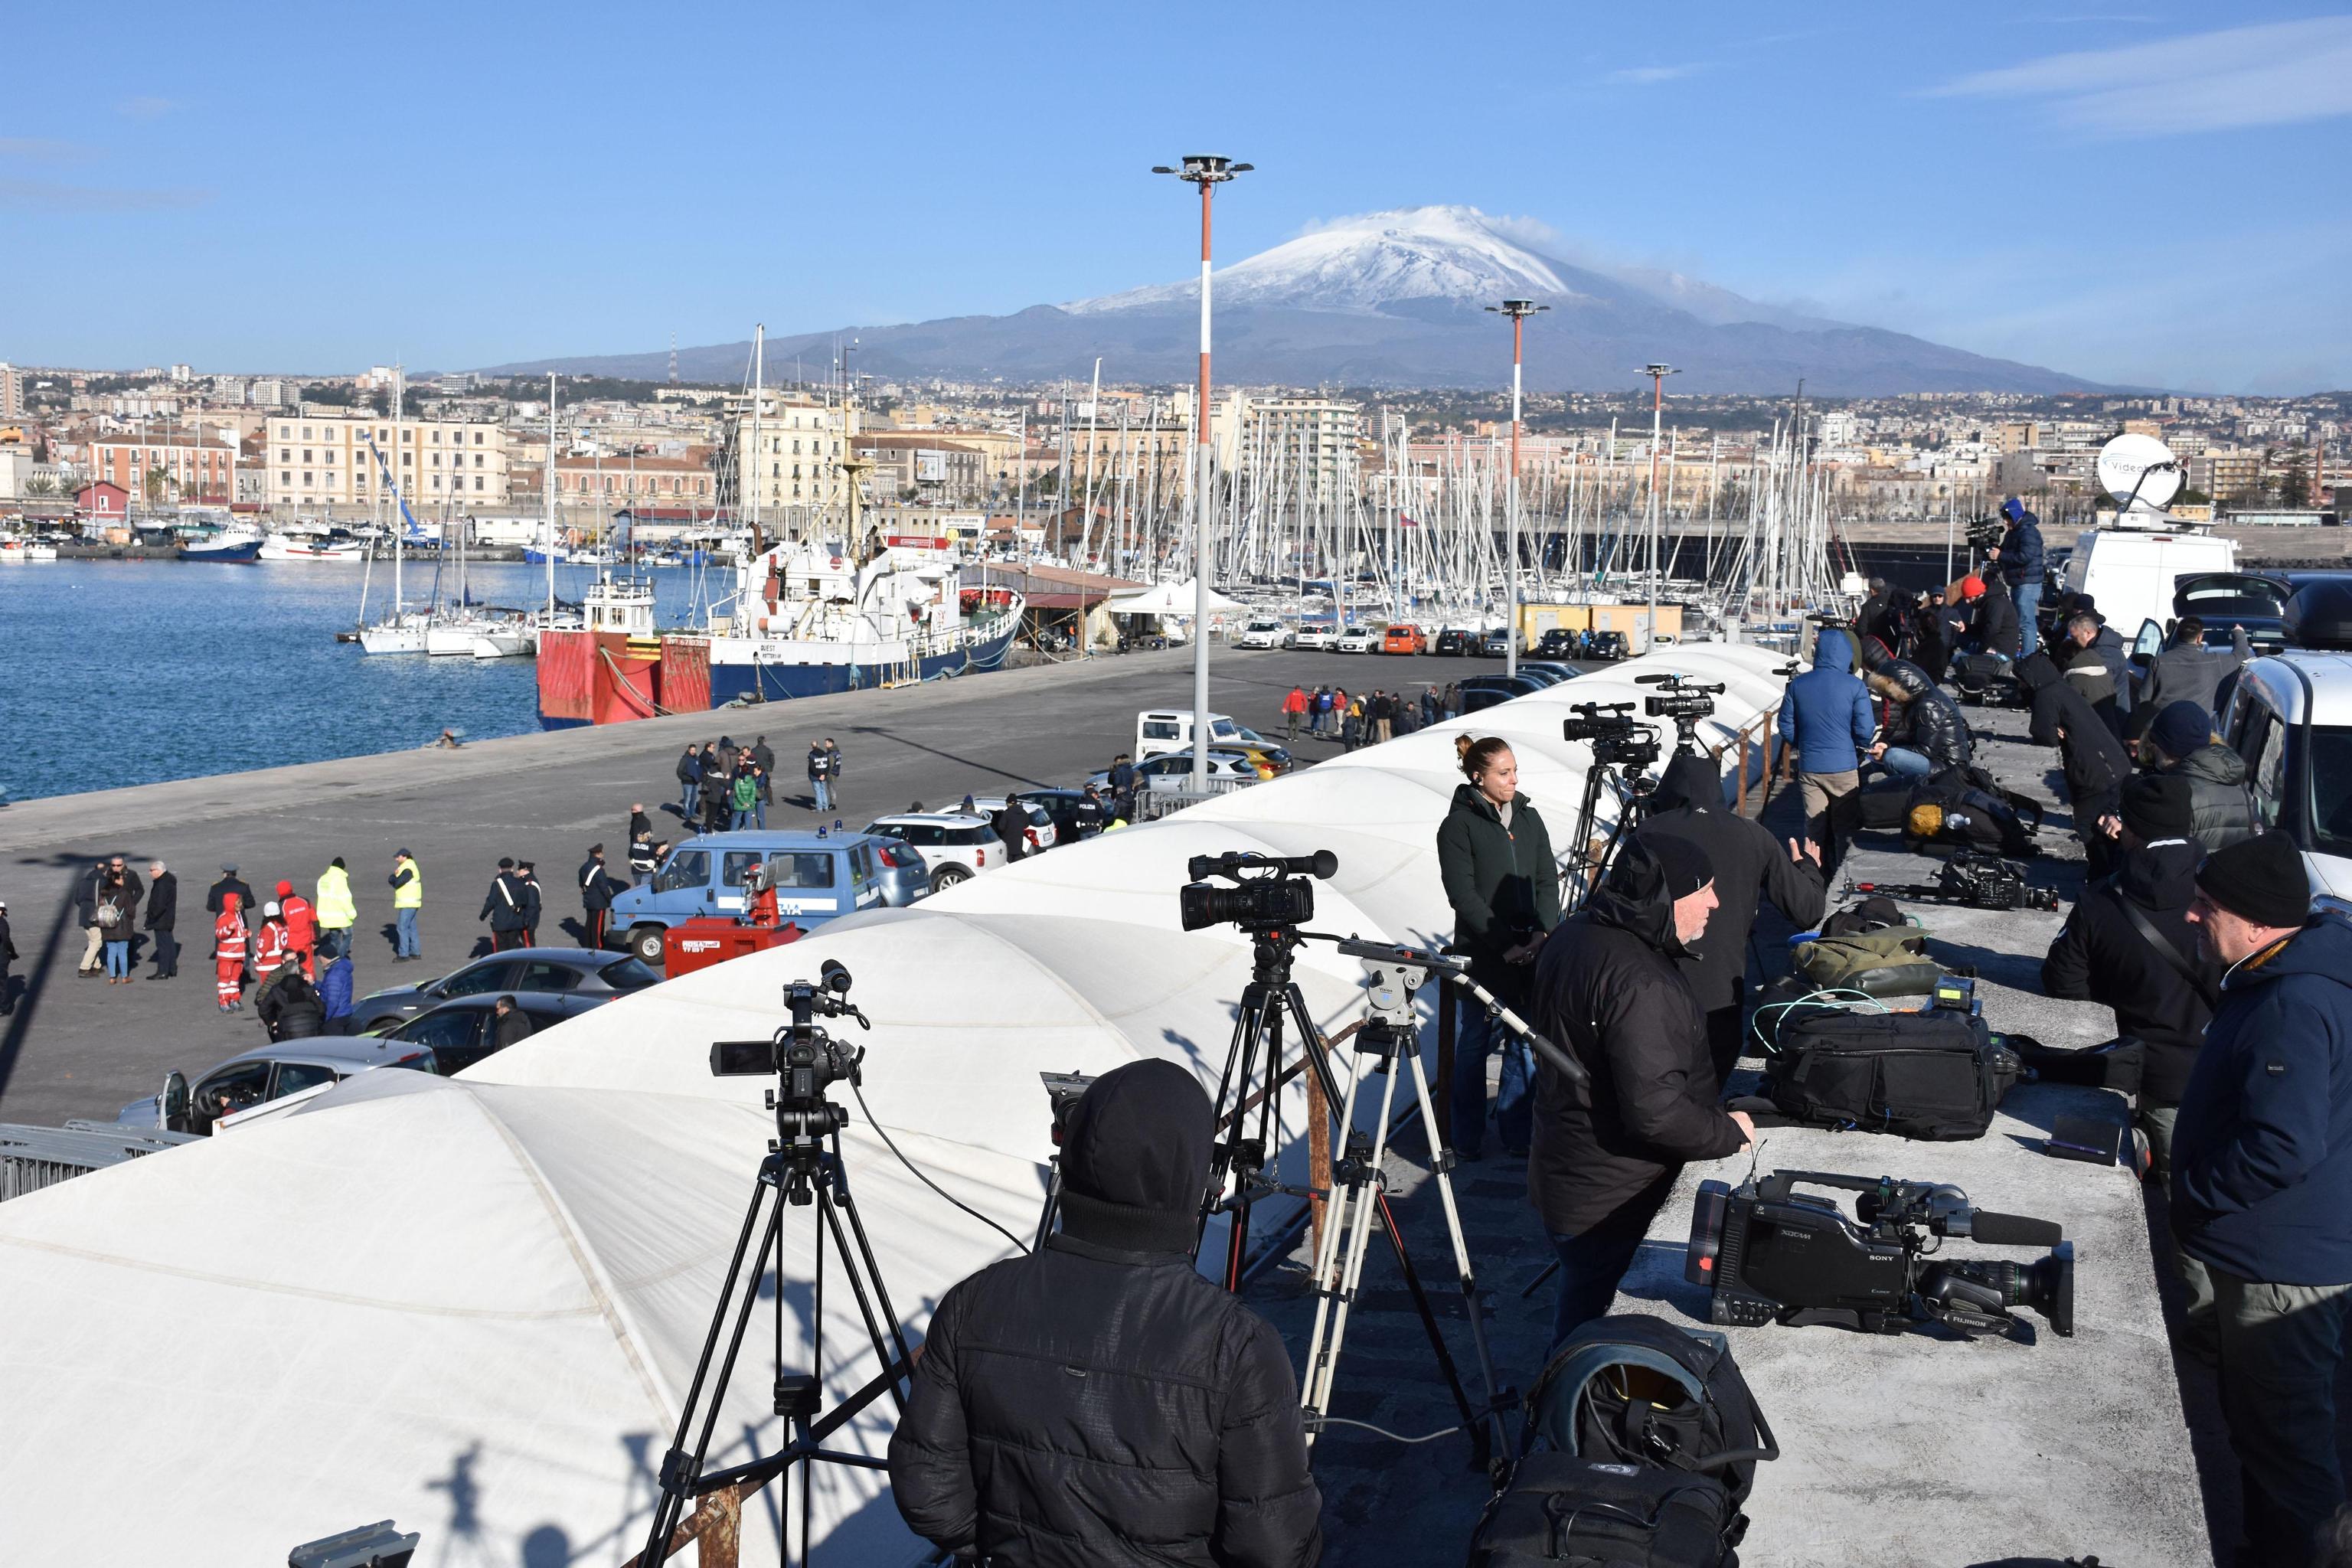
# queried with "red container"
point(698, 944)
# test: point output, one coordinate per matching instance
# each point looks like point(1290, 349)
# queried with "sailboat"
point(403, 631)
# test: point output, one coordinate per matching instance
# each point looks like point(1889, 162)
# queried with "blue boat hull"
point(232, 553)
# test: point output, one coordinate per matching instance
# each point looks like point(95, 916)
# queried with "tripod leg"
point(1470, 1418)
point(1237, 1239)
point(1363, 1197)
point(837, 1203)
point(1470, 1304)
point(1338, 1205)
point(1241, 1057)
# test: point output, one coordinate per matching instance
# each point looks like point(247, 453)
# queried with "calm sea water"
point(125, 672)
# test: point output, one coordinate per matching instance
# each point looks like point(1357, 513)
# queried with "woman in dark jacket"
point(1495, 858)
point(118, 919)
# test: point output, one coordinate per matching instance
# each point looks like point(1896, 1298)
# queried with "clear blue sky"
point(2153, 193)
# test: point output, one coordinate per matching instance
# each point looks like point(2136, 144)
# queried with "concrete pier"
point(80, 1048)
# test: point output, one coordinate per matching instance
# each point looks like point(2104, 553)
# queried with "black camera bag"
point(1982, 677)
point(1561, 1509)
point(1935, 1075)
point(1976, 812)
point(1640, 1390)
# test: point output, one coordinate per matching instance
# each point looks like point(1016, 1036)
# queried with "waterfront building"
point(314, 459)
point(615, 481)
point(165, 466)
point(788, 459)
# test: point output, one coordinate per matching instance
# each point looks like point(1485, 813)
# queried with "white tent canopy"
point(1171, 599)
point(472, 1305)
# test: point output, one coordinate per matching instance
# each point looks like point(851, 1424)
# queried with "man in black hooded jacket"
point(2161, 986)
point(2096, 762)
point(1749, 866)
point(1098, 1401)
point(1608, 992)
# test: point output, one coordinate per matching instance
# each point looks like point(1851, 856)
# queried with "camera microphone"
point(2015, 1230)
point(1322, 865)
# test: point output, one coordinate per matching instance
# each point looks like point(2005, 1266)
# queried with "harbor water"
point(129, 672)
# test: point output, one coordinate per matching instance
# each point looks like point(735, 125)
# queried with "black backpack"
point(1936, 1075)
point(1641, 1440)
point(1564, 1512)
point(1982, 677)
point(1963, 806)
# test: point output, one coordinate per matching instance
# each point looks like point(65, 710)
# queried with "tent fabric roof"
point(1171, 599)
point(470, 1305)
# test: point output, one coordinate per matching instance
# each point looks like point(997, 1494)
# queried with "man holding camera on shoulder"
point(1607, 990)
point(1098, 1401)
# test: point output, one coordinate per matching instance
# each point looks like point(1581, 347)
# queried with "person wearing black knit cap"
point(1098, 1401)
point(2261, 1181)
point(2128, 944)
point(1607, 990)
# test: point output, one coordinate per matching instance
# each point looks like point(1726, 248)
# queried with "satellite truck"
point(2131, 567)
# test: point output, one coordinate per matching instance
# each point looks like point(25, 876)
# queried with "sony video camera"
point(1617, 738)
point(1685, 700)
point(1271, 892)
point(803, 1056)
point(1974, 879)
point(1775, 1255)
point(1987, 533)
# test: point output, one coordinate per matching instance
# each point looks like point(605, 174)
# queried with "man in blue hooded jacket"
point(2020, 559)
point(1826, 715)
point(2261, 1181)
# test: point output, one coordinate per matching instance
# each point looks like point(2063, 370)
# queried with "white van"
point(2129, 573)
point(2290, 717)
point(1262, 632)
point(1159, 731)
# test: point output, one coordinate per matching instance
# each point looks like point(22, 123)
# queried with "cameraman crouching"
point(1098, 1401)
point(1607, 989)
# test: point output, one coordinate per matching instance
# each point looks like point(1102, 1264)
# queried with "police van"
point(817, 877)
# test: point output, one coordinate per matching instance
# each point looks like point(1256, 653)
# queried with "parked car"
point(1076, 814)
point(2290, 717)
point(905, 877)
point(2254, 600)
point(1609, 646)
point(589, 971)
point(1359, 639)
point(954, 846)
point(1519, 684)
point(1405, 637)
point(1255, 746)
point(1560, 642)
point(817, 877)
point(1175, 772)
point(1262, 632)
point(1043, 834)
point(1163, 730)
point(1549, 675)
point(1316, 639)
point(459, 1034)
point(1559, 672)
point(1454, 641)
point(1495, 644)
point(266, 1073)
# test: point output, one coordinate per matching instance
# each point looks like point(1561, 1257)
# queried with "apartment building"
point(340, 460)
point(789, 456)
point(12, 391)
point(166, 465)
point(636, 482)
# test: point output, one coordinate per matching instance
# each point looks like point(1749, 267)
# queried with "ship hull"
point(231, 554)
point(732, 679)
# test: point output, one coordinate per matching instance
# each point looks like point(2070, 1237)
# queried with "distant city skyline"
point(2137, 198)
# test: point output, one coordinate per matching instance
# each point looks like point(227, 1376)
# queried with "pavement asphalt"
point(81, 1047)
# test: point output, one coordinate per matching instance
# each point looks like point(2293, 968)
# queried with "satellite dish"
point(2141, 473)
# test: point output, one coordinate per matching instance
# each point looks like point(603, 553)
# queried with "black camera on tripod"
point(1685, 700)
point(1774, 1254)
point(1987, 533)
point(1617, 738)
point(807, 1059)
point(1271, 892)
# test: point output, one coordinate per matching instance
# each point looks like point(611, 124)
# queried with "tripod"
point(1360, 1188)
point(803, 1169)
point(1271, 996)
point(1588, 868)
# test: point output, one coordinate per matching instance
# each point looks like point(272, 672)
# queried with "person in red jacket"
point(302, 928)
point(1292, 707)
point(228, 954)
point(271, 945)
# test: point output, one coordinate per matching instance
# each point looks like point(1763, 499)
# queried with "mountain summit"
point(1398, 298)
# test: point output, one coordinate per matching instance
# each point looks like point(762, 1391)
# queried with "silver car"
point(560, 969)
point(266, 1073)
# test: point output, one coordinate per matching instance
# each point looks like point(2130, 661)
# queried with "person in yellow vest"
point(336, 911)
point(408, 897)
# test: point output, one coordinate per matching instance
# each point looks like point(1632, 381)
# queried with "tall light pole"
point(1207, 170)
point(1657, 374)
point(1518, 310)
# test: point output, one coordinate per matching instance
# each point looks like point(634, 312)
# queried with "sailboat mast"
point(548, 486)
point(759, 387)
point(399, 490)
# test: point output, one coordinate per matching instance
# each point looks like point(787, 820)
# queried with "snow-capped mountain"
point(1398, 298)
point(1370, 263)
